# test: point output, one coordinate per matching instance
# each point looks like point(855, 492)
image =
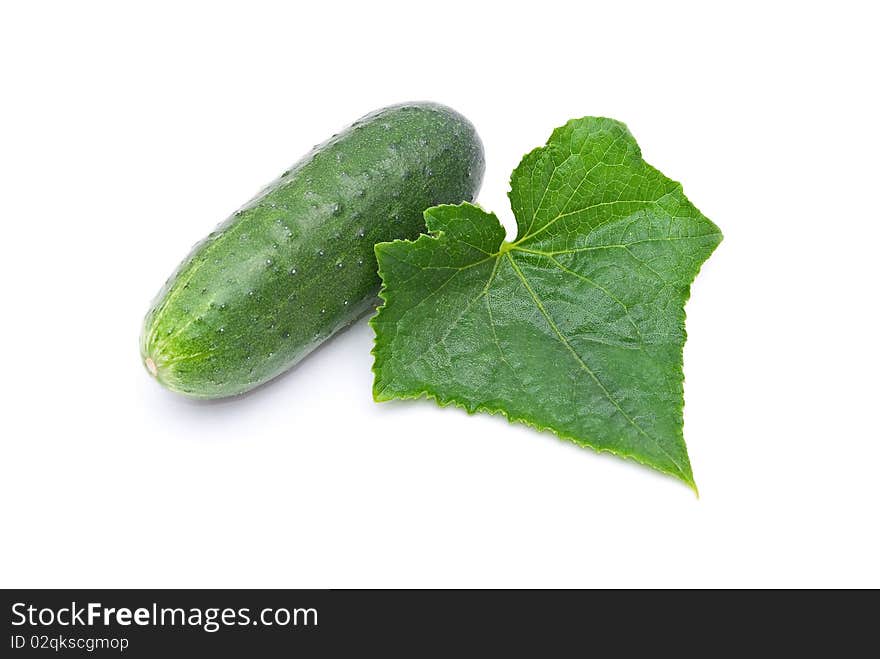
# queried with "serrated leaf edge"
point(442, 401)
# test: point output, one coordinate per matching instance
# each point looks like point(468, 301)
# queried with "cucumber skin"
point(296, 263)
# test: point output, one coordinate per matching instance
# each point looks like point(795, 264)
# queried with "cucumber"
point(296, 263)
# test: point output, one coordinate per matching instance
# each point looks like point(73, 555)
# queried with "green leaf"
point(576, 327)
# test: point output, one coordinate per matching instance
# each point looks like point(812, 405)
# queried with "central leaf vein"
point(586, 367)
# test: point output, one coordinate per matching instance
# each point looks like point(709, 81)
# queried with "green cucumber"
point(296, 264)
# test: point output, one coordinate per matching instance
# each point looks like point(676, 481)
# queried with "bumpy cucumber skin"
point(296, 263)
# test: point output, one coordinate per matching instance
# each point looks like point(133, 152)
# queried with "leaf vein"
point(585, 367)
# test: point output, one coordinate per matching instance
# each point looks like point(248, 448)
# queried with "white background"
point(128, 133)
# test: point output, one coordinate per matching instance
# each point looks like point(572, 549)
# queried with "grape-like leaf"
point(577, 326)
